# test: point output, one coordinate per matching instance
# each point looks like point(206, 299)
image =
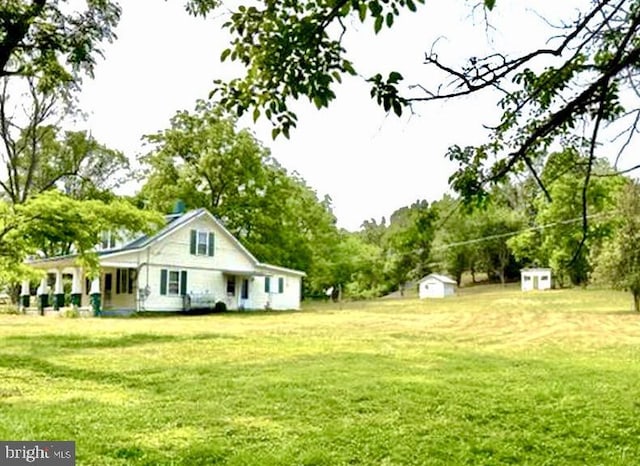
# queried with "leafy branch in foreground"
point(588, 89)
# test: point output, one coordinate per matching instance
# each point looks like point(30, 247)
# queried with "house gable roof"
point(174, 223)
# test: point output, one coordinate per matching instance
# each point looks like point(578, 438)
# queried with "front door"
point(108, 288)
point(244, 294)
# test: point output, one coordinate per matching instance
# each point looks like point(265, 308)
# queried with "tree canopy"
point(51, 223)
point(53, 41)
point(205, 161)
point(577, 89)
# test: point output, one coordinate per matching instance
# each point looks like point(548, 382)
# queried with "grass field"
point(488, 377)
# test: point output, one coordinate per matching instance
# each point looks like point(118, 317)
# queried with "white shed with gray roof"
point(436, 286)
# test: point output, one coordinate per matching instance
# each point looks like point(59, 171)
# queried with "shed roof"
point(440, 278)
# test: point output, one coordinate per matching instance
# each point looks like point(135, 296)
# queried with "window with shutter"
point(202, 243)
point(173, 283)
point(203, 238)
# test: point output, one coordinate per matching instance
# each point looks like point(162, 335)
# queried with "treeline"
point(585, 232)
point(566, 225)
point(59, 193)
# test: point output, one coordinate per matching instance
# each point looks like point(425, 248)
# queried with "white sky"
point(370, 164)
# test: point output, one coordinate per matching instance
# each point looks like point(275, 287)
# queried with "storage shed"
point(535, 279)
point(436, 286)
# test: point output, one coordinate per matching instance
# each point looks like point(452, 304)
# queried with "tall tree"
point(36, 155)
point(585, 75)
point(408, 242)
point(557, 237)
point(52, 223)
point(205, 161)
point(454, 251)
point(494, 225)
point(618, 263)
point(52, 39)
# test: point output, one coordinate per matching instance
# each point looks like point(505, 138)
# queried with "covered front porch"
point(243, 290)
point(65, 286)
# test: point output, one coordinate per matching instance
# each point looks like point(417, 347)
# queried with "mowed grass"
point(492, 376)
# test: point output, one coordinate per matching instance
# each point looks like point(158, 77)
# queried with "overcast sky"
point(369, 163)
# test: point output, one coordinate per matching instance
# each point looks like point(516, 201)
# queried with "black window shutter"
point(280, 285)
point(163, 281)
point(87, 285)
point(267, 284)
point(194, 235)
point(211, 244)
point(183, 282)
point(118, 275)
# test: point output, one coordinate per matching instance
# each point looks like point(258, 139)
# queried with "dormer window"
point(202, 240)
point(107, 240)
point(202, 243)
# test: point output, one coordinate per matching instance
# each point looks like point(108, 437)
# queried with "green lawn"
point(489, 377)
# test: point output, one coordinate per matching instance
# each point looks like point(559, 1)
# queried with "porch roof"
point(242, 273)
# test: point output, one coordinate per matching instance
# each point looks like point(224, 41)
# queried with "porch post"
point(43, 295)
point(58, 297)
point(76, 287)
point(95, 296)
point(25, 295)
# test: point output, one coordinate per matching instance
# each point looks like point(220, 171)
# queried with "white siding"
point(432, 288)
point(207, 274)
point(288, 299)
point(174, 249)
point(536, 279)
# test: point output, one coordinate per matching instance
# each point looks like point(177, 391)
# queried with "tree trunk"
point(636, 301)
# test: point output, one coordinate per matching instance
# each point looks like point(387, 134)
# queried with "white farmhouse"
point(535, 279)
point(193, 262)
point(436, 286)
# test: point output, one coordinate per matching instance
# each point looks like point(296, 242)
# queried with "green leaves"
point(203, 159)
point(54, 44)
point(377, 25)
point(54, 224)
point(290, 50)
point(386, 92)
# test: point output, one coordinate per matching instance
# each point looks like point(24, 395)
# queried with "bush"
point(70, 312)
point(10, 309)
point(220, 307)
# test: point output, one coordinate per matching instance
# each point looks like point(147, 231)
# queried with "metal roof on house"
point(174, 222)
